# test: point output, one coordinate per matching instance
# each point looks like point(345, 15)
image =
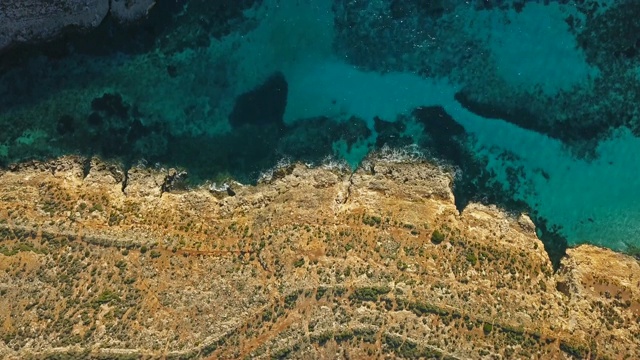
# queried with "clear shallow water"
point(528, 67)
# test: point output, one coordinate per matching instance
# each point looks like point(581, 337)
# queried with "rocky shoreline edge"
point(101, 262)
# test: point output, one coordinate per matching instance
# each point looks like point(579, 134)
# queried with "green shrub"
point(420, 309)
point(402, 266)
point(320, 292)
point(299, 262)
point(369, 293)
point(437, 237)
point(366, 335)
point(106, 297)
point(322, 338)
point(290, 300)
point(343, 336)
point(472, 258)
point(371, 220)
point(574, 349)
point(281, 354)
point(267, 315)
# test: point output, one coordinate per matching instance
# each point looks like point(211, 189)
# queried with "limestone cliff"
point(311, 263)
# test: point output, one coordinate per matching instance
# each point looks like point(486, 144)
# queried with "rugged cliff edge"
point(35, 20)
point(315, 262)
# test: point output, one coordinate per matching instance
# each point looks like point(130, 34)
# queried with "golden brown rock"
point(315, 263)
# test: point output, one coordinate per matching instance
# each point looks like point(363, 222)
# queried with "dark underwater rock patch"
point(446, 137)
point(517, 116)
point(204, 20)
point(311, 140)
point(172, 71)
point(438, 122)
point(65, 125)
point(94, 119)
point(383, 39)
point(391, 133)
point(241, 154)
point(110, 105)
point(613, 37)
point(379, 38)
point(580, 130)
point(401, 9)
point(263, 105)
point(113, 129)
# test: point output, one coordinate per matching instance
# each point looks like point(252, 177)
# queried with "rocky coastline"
point(23, 22)
point(101, 262)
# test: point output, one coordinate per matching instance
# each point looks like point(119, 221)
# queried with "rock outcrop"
point(314, 263)
point(33, 20)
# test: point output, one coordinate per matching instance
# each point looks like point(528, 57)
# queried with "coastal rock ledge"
point(27, 21)
point(99, 262)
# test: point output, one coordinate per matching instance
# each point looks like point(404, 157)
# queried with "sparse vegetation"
point(371, 220)
point(408, 349)
point(577, 350)
point(366, 283)
point(106, 296)
point(420, 308)
point(369, 293)
point(322, 338)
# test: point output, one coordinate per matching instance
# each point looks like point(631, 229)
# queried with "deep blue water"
point(535, 105)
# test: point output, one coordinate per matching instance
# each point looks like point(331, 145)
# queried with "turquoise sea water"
point(535, 105)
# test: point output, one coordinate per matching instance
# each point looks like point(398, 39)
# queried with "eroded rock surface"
point(316, 263)
point(33, 20)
